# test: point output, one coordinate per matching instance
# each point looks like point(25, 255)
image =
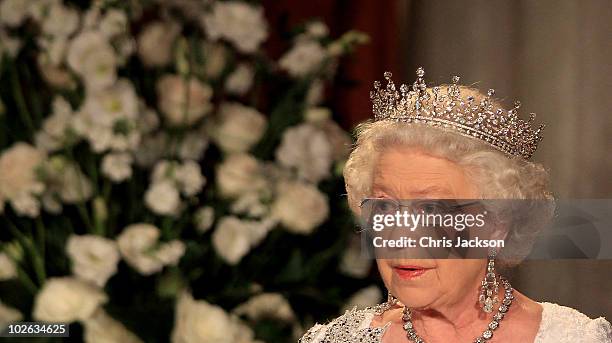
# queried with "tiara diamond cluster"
point(447, 108)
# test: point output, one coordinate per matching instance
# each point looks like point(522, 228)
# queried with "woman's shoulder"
point(352, 326)
point(561, 324)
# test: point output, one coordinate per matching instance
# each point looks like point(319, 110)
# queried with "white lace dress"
point(559, 324)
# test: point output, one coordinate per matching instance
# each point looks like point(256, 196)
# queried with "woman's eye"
point(431, 207)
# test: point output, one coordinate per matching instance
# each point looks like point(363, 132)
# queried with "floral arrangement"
point(163, 179)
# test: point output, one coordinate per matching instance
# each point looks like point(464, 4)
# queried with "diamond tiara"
point(446, 108)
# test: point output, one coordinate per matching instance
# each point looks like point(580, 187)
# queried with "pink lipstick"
point(409, 272)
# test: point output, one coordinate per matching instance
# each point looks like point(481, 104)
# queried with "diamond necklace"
point(486, 335)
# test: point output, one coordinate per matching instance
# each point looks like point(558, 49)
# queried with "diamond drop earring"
point(490, 286)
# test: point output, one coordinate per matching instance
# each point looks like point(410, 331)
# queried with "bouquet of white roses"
point(162, 178)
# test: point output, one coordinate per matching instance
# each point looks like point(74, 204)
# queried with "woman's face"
point(408, 173)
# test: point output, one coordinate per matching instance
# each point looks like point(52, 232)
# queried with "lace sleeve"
point(562, 324)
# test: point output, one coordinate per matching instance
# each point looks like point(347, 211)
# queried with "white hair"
point(495, 174)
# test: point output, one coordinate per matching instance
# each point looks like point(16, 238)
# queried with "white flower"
point(186, 176)
point(250, 204)
point(215, 56)
point(170, 253)
point(197, 321)
point(266, 305)
point(240, 80)
point(317, 114)
point(163, 198)
point(193, 145)
point(307, 149)
point(300, 207)
point(233, 238)
point(239, 127)
point(303, 59)
point(138, 244)
point(151, 149)
point(315, 93)
point(66, 299)
point(60, 21)
point(108, 117)
point(19, 183)
point(363, 298)
point(204, 218)
point(54, 132)
point(155, 43)
point(102, 328)
point(56, 76)
point(13, 12)
point(8, 315)
point(114, 23)
point(241, 24)
point(179, 107)
point(239, 174)
point(353, 263)
point(7, 267)
point(117, 166)
point(189, 178)
point(94, 258)
point(65, 178)
point(317, 29)
point(92, 57)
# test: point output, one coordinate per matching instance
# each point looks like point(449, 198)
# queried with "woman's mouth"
point(409, 272)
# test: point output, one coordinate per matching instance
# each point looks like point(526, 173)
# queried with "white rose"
point(317, 115)
point(93, 59)
point(102, 328)
point(8, 315)
point(238, 174)
point(239, 127)
point(233, 238)
point(60, 21)
point(307, 149)
point(151, 149)
point(300, 207)
point(240, 80)
point(266, 305)
point(19, 182)
point(192, 146)
point(105, 108)
point(117, 166)
point(114, 23)
point(317, 29)
point(163, 198)
point(7, 267)
point(215, 56)
point(353, 263)
point(303, 59)
point(66, 299)
point(189, 178)
point(240, 23)
point(54, 132)
point(179, 107)
point(250, 204)
point(94, 258)
point(56, 76)
point(170, 253)
point(138, 244)
point(155, 43)
point(363, 298)
point(204, 218)
point(13, 12)
point(65, 178)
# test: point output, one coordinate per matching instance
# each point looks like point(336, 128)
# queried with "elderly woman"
point(450, 142)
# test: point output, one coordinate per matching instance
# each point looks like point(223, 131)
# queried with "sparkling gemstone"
point(493, 325)
point(487, 334)
point(498, 316)
point(503, 308)
point(407, 325)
